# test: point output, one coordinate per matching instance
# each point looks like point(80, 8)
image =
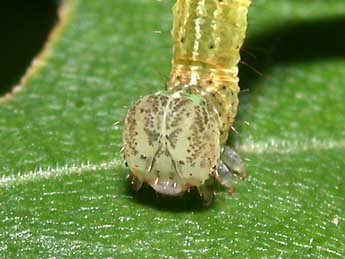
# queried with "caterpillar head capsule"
point(170, 142)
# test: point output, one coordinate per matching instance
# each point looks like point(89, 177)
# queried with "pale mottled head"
point(171, 142)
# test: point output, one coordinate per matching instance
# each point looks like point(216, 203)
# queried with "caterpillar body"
point(175, 139)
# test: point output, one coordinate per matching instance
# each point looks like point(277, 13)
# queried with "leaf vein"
point(47, 173)
point(290, 147)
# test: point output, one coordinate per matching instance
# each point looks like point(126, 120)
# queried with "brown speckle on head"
point(175, 136)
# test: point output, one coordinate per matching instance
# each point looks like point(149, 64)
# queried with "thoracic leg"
point(207, 192)
point(135, 182)
point(233, 162)
point(229, 165)
point(224, 177)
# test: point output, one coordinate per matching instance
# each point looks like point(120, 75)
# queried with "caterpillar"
point(175, 139)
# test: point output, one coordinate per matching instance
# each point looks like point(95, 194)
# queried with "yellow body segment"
point(207, 37)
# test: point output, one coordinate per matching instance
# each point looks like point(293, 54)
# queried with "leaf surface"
point(63, 191)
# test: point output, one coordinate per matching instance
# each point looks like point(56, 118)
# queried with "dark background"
point(24, 29)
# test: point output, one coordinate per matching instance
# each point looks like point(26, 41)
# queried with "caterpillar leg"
point(229, 165)
point(135, 182)
point(234, 162)
point(207, 192)
point(224, 176)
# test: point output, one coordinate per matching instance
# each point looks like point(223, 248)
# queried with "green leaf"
point(63, 191)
